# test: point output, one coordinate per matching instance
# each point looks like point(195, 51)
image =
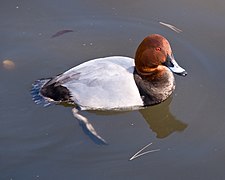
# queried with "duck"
point(115, 82)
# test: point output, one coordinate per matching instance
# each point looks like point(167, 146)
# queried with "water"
point(47, 143)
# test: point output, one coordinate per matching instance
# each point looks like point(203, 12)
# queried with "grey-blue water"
point(48, 143)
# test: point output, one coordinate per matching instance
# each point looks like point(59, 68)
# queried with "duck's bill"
point(173, 66)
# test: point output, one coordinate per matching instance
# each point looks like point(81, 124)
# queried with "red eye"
point(158, 49)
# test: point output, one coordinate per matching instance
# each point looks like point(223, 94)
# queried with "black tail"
point(37, 97)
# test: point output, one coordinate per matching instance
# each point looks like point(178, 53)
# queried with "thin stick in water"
point(171, 27)
point(138, 154)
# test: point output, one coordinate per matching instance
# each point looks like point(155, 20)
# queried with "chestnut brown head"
point(154, 52)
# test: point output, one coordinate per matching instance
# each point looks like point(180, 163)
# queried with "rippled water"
point(48, 143)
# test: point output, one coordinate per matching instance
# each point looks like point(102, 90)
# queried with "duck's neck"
point(149, 73)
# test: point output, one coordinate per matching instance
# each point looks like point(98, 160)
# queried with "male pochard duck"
point(115, 82)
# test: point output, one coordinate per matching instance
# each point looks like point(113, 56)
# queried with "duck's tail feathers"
point(37, 97)
point(88, 128)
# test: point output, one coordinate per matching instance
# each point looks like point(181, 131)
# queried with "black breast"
point(151, 92)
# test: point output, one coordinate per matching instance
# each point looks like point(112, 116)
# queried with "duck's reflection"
point(161, 121)
point(158, 117)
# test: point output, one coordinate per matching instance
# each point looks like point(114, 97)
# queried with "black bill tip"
point(184, 73)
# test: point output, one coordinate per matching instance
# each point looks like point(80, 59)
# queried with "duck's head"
point(154, 55)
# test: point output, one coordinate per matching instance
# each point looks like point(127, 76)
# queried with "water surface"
point(47, 143)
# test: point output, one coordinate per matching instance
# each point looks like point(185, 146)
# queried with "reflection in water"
point(161, 121)
point(159, 118)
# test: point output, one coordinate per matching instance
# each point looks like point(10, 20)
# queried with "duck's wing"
point(104, 83)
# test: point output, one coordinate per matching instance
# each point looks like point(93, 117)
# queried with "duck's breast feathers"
point(103, 83)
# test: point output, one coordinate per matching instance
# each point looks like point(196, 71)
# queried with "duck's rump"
point(56, 93)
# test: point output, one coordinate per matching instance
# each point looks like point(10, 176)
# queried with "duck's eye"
point(158, 49)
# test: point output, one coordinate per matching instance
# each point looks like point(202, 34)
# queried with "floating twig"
point(138, 154)
point(171, 27)
point(59, 33)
